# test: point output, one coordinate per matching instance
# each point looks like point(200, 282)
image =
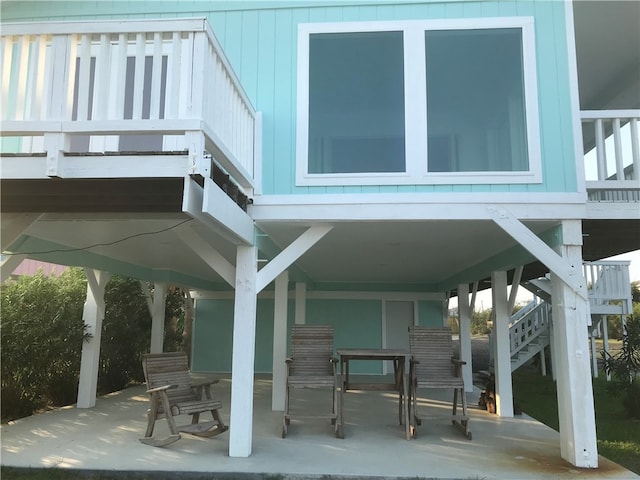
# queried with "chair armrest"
point(288, 360)
point(413, 361)
point(457, 361)
point(334, 360)
point(161, 389)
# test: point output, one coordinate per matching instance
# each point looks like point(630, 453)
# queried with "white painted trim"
point(217, 205)
point(301, 292)
point(401, 206)
point(157, 317)
point(257, 155)
point(464, 317)
point(574, 95)
point(195, 24)
point(415, 98)
point(9, 264)
point(608, 114)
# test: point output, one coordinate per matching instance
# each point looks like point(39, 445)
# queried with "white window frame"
point(416, 105)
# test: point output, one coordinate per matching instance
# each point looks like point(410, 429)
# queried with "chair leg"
point(285, 417)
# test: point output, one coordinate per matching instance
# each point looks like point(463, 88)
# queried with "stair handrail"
point(533, 324)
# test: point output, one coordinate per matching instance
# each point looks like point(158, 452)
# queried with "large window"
point(417, 103)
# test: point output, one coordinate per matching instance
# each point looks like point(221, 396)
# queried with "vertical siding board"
point(265, 99)
point(285, 87)
point(548, 99)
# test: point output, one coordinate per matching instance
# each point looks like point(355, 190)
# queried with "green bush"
point(43, 330)
point(625, 368)
point(41, 342)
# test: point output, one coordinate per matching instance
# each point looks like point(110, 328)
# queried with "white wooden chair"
point(311, 365)
point(433, 366)
point(172, 393)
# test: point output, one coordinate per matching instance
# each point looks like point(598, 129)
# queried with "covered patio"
point(105, 438)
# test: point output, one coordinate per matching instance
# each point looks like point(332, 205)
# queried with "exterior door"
point(398, 316)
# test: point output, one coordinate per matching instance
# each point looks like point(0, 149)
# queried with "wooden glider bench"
point(171, 393)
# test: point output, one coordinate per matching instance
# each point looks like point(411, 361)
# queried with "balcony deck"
point(110, 92)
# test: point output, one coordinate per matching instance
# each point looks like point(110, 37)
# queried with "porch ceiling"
point(608, 53)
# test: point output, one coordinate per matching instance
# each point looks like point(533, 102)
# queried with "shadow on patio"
point(106, 438)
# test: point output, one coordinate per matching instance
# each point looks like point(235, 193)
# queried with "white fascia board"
point(331, 295)
point(25, 167)
point(575, 95)
point(613, 211)
point(124, 166)
point(415, 206)
point(147, 126)
point(217, 205)
point(106, 26)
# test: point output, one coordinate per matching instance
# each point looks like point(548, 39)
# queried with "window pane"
point(356, 103)
point(475, 101)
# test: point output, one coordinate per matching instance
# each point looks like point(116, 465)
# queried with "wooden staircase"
point(609, 290)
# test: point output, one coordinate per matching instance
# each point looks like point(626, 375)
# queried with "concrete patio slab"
point(106, 438)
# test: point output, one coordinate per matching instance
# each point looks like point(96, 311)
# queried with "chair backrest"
point(433, 348)
point(171, 368)
point(311, 350)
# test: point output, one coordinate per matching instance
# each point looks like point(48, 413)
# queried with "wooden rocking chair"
point(311, 365)
point(433, 366)
point(171, 393)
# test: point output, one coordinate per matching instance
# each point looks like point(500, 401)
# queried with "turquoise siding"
point(357, 324)
point(431, 314)
point(260, 39)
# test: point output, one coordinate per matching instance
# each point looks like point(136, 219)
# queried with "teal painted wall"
point(260, 41)
point(357, 324)
point(431, 314)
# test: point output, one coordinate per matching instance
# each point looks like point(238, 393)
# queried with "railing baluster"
point(635, 147)
point(601, 153)
point(138, 76)
point(172, 94)
point(617, 143)
point(23, 67)
point(156, 76)
point(84, 79)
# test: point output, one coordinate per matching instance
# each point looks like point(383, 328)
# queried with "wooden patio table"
point(400, 384)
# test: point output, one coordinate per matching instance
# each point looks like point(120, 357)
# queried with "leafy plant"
point(41, 342)
point(624, 366)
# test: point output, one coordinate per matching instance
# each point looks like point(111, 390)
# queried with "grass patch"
point(618, 435)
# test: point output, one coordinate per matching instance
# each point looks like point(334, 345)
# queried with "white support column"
point(8, 265)
point(301, 304)
point(92, 315)
point(244, 345)
point(157, 317)
point(280, 342)
point(502, 352)
point(605, 342)
point(570, 324)
point(464, 313)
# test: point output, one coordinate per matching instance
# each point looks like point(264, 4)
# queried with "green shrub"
point(41, 342)
point(43, 330)
point(625, 368)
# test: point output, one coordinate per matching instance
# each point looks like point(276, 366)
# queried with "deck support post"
point(464, 311)
point(576, 413)
point(502, 346)
point(158, 309)
point(92, 315)
point(244, 345)
point(280, 342)
point(300, 305)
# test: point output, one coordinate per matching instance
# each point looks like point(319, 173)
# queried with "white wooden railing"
point(528, 324)
point(617, 156)
point(608, 286)
point(108, 79)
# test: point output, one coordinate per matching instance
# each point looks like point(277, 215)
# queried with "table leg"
point(405, 390)
point(340, 423)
